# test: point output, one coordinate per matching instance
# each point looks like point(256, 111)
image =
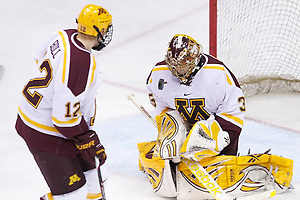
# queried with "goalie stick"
point(142, 109)
point(201, 174)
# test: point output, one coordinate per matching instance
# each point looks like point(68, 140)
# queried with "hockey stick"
point(142, 109)
point(209, 183)
point(201, 174)
point(101, 182)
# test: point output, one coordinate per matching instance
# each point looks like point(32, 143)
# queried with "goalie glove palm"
point(90, 147)
point(211, 134)
point(206, 138)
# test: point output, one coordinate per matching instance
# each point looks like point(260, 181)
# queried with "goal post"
point(259, 41)
point(213, 27)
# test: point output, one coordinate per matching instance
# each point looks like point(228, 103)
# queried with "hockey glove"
point(90, 147)
point(206, 138)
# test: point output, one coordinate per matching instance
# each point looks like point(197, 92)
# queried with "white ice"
point(142, 30)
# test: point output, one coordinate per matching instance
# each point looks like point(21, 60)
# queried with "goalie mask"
point(96, 21)
point(182, 57)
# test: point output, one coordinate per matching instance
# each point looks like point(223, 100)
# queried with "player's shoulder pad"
point(160, 66)
point(213, 63)
point(217, 67)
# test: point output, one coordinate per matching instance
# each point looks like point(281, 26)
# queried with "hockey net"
point(259, 41)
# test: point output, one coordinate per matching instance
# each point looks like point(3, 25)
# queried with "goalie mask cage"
point(259, 40)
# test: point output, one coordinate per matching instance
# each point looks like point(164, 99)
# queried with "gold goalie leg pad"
point(240, 176)
point(159, 172)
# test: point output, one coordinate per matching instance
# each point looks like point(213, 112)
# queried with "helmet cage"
point(103, 40)
point(182, 56)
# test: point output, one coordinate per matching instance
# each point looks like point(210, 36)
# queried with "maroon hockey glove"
point(90, 147)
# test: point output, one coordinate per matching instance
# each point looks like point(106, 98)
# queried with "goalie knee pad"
point(172, 130)
point(159, 172)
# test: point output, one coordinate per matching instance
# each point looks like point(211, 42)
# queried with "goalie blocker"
point(237, 176)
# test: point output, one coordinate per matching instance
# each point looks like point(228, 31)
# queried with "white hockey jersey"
point(213, 90)
point(60, 98)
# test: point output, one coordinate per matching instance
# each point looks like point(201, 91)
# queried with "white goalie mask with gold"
point(182, 57)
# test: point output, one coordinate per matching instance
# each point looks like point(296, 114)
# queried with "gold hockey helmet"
point(92, 15)
point(182, 56)
point(96, 21)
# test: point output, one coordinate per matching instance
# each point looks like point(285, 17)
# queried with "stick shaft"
point(142, 109)
point(205, 178)
point(101, 183)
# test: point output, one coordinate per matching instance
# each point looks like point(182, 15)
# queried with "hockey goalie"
point(199, 108)
point(237, 175)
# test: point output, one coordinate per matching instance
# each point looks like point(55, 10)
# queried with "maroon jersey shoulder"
point(161, 63)
point(80, 60)
point(213, 60)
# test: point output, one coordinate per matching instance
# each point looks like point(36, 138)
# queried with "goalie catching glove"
point(206, 138)
point(90, 147)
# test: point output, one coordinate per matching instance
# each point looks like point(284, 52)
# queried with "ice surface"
point(142, 30)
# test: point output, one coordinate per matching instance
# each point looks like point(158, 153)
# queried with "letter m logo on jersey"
point(191, 109)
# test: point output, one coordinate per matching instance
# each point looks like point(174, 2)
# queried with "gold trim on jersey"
point(219, 68)
point(93, 72)
point(214, 67)
point(160, 68)
point(228, 80)
point(236, 119)
point(71, 121)
point(92, 119)
point(48, 128)
point(65, 56)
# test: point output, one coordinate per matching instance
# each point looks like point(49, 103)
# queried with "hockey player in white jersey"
point(198, 86)
point(199, 109)
point(198, 103)
point(57, 108)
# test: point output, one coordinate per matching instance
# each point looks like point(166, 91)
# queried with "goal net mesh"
point(259, 40)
